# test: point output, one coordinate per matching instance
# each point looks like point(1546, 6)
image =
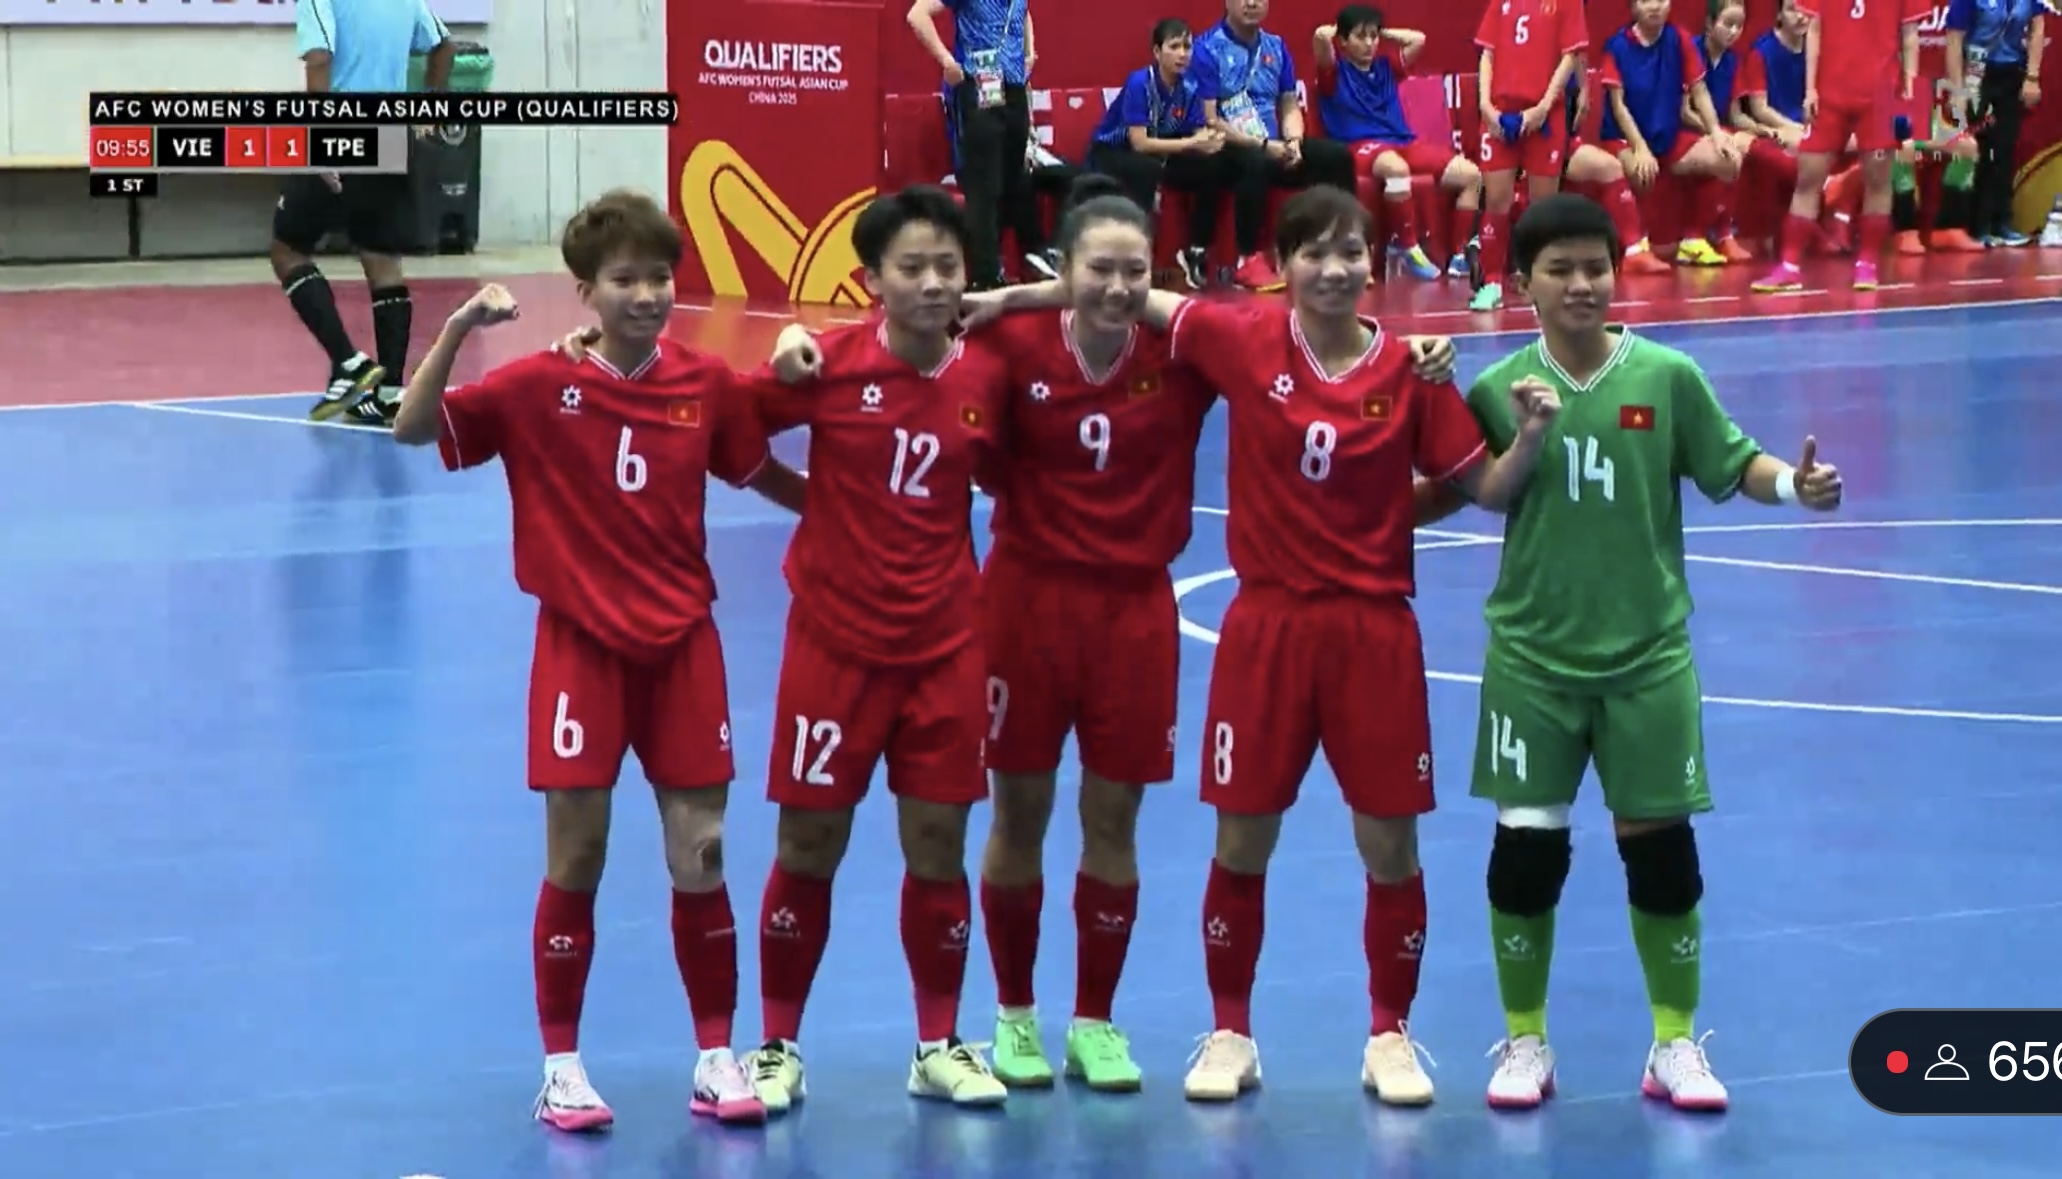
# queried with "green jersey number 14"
point(1588, 464)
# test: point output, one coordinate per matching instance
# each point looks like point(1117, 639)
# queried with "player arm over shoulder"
point(1432, 357)
point(420, 419)
point(1720, 458)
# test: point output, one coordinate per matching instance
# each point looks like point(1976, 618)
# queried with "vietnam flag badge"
point(1377, 408)
point(684, 411)
point(970, 417)
point(1635, 417)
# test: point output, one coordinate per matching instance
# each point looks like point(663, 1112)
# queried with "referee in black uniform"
point(356, 46)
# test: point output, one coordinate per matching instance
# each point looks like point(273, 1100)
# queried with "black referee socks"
point(393, 318)
point(316, 304)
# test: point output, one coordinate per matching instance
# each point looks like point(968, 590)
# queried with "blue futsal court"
point(270, 864)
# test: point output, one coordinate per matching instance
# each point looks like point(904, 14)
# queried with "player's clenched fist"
point(1535, 404)
point(493, 304)
point(1432, 357)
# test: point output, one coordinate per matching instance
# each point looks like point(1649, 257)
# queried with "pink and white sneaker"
point(1865, 276)
point(1679, 1073)
point(723, 1091)
point(1524, 1076)
point(1784, 277)
point(568, 1102)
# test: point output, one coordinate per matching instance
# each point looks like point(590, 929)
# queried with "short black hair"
point(1170, 28)
point(618, 224)
point(892, 212)
point(1355, 17)
point(1562, 217)
point(1316, 213)
point(1094, 199)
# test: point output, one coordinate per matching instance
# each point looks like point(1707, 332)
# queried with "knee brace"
point(1528, 865)
point(1662, 876)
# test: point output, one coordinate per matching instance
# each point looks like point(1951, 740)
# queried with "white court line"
point(1403, 320)
point(1195, 630)
point(2017, 587)
point(241, 416)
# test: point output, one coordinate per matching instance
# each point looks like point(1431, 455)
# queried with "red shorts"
point(1537, 154)
point(1868, 123)
point(1294, 675)
point(1684, 141)
point(589, 706)
point(1426, 157)
point(835, 719)
point(1078, 650)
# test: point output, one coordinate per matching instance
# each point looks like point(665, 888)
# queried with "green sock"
point(1903, 177)
point(1524, 948)
point(1670, 955)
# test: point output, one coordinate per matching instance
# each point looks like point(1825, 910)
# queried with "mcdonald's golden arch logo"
point(721, 193)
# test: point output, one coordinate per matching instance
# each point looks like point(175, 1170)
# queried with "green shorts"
point(1533, 744)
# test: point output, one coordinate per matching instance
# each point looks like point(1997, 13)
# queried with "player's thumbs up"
point(1811, 455)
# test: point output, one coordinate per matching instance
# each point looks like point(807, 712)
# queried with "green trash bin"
point(444, 168)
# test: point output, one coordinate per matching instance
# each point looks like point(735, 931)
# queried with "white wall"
point(532, 179)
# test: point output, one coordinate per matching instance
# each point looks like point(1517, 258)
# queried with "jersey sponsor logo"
point(1377, 407)
point(569, 399)
point(686, 411)
point(870, 399)
point(1635, 417)
point(1283, 386)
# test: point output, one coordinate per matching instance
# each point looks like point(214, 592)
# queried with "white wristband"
point(1786, 486)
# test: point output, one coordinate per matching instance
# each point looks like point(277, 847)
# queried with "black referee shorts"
point(373, 212)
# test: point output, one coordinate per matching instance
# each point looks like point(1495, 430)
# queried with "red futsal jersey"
point(1529, 39)
point(607, 476)
point(1320, 467)
point(1861, 43)
point(1101, 468)
point(882, 564)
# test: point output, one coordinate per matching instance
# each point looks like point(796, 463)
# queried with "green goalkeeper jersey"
point(1591, 594)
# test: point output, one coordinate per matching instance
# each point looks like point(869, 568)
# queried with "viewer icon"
point(1945, 1069)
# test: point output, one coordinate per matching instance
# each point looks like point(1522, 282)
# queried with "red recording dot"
point(1899, 1062)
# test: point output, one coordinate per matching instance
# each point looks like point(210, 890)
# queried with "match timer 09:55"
point(1960, 1061)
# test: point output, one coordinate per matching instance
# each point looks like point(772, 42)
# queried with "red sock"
point(561, 951)
point(794, 927)
point(705, 949)
point(1103, 917)
point(1011, 917)
point(1874, 232)
point(935, 917)
point(1714, 208)
point(1403, 214)
point(1496, 246)
point(1798, 232)
point(1234, 923)
point(1625, 212)
point(1459, 228)
point(1393, 934)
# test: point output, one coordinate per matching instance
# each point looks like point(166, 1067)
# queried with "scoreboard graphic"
point(136, 138)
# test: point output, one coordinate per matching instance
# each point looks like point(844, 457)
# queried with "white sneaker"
point(568, 1102)
point(1679, 1073)
point(1524, 1076)
point(776, 1071)
point(956, 1072)
point(1389, 1069)
point(723, 1091)
point(1225, 1065)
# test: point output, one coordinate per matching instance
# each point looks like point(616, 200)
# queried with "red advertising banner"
point(778, 145)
